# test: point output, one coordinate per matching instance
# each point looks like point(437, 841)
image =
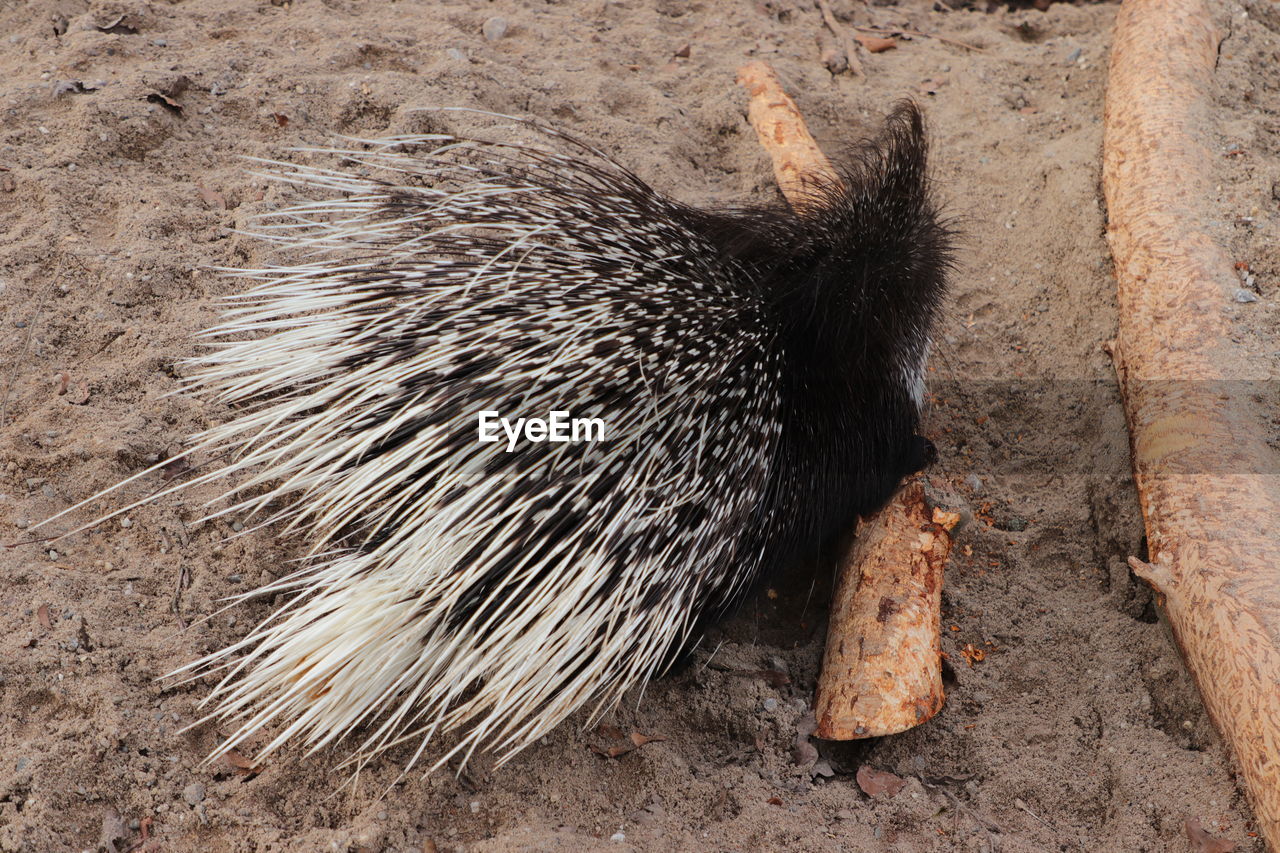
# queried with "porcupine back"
point(758, 372)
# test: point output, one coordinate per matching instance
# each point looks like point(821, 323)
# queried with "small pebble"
point(618, 837)
point(454, 53)
point(193, 793)
point(1013, 523)
point(1243, 295)
point(770, 704)
point(237, 526)
point(494, 28)
point(126, 523)
point(160, 42)
point(1074, 55)
point(475, 807)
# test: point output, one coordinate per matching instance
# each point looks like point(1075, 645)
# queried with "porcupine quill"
point(759, 371)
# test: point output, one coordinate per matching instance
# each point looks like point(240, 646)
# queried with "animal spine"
point(758, 371)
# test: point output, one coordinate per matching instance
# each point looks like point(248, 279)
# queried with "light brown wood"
point(798, 162)
point(1205, 475)
point(882, 671)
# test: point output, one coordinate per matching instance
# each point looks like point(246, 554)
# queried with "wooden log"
point(882, 671)
point(797, 159)
point(1205, 475)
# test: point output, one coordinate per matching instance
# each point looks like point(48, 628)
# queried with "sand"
point(122, 181)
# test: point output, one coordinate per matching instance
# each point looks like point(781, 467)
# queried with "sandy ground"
point(121, 181)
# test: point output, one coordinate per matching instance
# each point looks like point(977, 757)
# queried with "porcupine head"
point(758, 372)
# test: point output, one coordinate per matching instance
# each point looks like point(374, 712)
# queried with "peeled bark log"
point(882, 672)
point(1205, 475)
point(797, 159)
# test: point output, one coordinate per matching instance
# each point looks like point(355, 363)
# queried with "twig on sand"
point(892, 31)
point(847, 43)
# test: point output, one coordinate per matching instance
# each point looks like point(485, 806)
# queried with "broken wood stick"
point(1206, 477)
point(798, 162)
point(847, 44)
point(882, 671)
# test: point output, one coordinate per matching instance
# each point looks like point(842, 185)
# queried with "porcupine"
point(759, 371)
